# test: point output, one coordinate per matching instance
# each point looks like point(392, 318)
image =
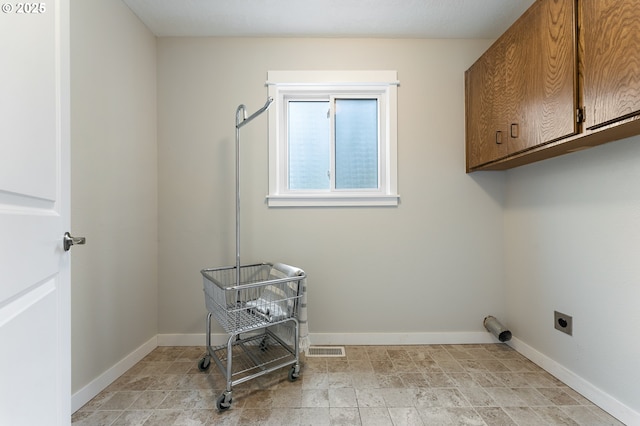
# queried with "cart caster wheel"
point(221, 405)
point(294, 373)
point(204, 364)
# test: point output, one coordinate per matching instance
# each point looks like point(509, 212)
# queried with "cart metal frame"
point(253, 314)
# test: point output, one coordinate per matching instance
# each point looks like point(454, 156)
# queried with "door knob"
point(68, 241)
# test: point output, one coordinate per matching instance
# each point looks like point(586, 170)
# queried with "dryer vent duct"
point(494, 327)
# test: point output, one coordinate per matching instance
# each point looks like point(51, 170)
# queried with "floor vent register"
point(325, 351)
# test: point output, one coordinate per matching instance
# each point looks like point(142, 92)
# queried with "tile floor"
point(372, 385)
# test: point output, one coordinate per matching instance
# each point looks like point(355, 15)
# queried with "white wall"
point(572, 227)
point(434, 264)
point(113, 186)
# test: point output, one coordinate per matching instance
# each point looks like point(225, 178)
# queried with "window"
point(332, 138)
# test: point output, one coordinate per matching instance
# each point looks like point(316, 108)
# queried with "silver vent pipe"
point(494, 327)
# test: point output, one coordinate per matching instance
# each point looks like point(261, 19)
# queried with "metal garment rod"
point(241, 120)
point(245, 120)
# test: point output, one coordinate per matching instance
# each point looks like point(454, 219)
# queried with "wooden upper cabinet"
point(522, 92)
point(521, 75)
point(523, 96)
point(551, 64)
point(610, 60)
point(483, 86)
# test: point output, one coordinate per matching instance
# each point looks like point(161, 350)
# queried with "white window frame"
point(314, 85)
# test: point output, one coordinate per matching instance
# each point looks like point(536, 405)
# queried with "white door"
point(35, 353)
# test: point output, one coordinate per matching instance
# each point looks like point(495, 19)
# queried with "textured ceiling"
point(329, 18)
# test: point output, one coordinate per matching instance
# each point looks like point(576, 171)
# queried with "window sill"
point(332, 200)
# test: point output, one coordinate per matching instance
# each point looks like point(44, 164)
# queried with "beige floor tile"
point(120, 400)
point(370, 397)
point(365, 380)
point(558, 396)
point(256, 398)
point(356, 353)
point(133, 418)
point(450, 366)
point(149, 400)
point(414, 380)
point(195, 417)
point(389, 380)
point(405, 416)
point(465, 416)
point(283, 417)
point(431, 365)
point(450, 397)
point(230, 417)
point(179, 400)
point(344, 416)
point(315, 398)
point(342, 397)
point(314, 416)
point(486, 379)
point(284, 397)
point(504, 397)
point(254, 416)
point(607, 419)
point(400, 397)
point(98, 418)
point(339, 380)
point(585, 415)
point(464, 380)
point(435, 416)
point(554, 416)
point(495, 416)
point(375, 416)
point(439, 380)
point(524, 416)
point(360, 366)
point(338, 365)
point(477, 397)
point(426, 397)
point(531, 397)
point(313, 380)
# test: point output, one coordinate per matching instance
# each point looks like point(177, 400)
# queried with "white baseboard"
point(602, 399)
point(100, 383)
point(385, 339)
point(347, 339)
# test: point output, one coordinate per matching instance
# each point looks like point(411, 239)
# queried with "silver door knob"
point(68, 241)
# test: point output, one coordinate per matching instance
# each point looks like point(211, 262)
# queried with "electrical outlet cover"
point(563, 322)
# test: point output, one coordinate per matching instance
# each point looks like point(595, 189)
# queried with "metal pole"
point(241, 120)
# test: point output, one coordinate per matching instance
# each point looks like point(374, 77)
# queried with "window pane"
point(356, 143)
point(309, 144)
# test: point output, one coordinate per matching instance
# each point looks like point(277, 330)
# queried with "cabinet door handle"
point(499, 137)
point(514, 130)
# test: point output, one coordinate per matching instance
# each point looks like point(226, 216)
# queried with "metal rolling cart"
point(254, 315)
point(257, 305)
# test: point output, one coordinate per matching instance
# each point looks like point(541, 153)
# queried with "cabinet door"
point(520, 76)
point(484, 143)
point(542, 75)
point(611, 34)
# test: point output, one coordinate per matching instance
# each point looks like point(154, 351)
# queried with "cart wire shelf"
point(253, 356)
